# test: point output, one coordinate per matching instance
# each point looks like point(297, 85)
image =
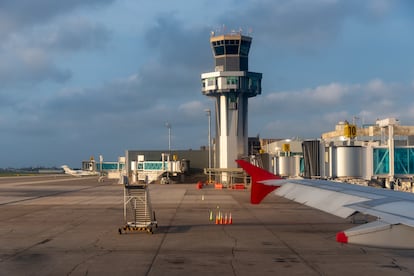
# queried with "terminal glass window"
point(211, 81)
point(232, 102)
point(244, 48)
point(219, 50)
point(232, 80)
point(253, 83)
point(232, 49)
point(218, 47)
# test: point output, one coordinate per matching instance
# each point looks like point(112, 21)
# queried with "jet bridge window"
point(381, 161)
point(404, 160)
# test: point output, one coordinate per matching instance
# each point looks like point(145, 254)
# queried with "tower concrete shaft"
point(231, 84)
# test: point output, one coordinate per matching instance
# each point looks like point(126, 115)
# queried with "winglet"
point(259, 190)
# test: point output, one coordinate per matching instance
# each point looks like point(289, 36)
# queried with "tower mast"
point(231, 84)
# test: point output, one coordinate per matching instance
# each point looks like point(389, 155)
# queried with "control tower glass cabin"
point(231, 84)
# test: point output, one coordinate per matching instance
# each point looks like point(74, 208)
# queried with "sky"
point(85, 78)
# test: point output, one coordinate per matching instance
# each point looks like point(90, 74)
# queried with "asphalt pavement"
point(59, 225)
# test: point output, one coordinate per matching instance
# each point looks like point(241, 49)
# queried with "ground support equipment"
point(138, 214)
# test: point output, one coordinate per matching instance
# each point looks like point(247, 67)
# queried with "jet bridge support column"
point(389, 123)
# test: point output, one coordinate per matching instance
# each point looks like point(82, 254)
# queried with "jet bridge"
point(152, 171)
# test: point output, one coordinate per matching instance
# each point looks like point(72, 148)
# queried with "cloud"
point(379, 8)
point(29, 65)
point(30, 55)
point(301, 25)
point(126, 112)
point(190, 108)
point(74, 34)
point(179, 44)
point(333, 94)
point(179, 54)
point(120, 104)
point(114, 97)
point(19, 14)
point(312, 111)
point(101, 81)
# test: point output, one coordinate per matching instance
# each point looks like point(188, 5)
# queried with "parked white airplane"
point(394, 227)
point(78, 172)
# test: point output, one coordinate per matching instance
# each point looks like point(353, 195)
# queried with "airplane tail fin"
point(67, 170)
point(259, 190)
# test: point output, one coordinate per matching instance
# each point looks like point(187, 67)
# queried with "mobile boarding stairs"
point(138, 214)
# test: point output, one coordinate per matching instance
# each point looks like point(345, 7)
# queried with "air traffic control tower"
point(231, 84)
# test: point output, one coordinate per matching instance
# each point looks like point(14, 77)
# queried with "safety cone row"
point(226, 219)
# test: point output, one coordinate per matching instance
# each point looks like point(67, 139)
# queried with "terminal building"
point(381, 154)
point(152, 166)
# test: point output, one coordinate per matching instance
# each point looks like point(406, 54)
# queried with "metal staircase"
point(138, 214)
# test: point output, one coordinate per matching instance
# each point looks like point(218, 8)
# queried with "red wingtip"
point(341, 237)
point(259, 190)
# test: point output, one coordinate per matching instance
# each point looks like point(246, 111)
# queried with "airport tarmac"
point(59, 225)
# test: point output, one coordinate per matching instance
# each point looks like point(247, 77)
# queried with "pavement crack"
point(164, 236)
point(233, 249)
point(288, 246)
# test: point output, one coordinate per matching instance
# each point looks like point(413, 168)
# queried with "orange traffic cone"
point(217, 218)
point(225, 219)
point(230, 219)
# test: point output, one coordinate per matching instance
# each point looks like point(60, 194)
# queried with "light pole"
point(168, 125)
point(100, 170)
point(208, 111)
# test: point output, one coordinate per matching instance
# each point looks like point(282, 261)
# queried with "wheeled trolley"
point(138, 214)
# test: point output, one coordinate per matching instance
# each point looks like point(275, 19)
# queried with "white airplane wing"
point(394, 210)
